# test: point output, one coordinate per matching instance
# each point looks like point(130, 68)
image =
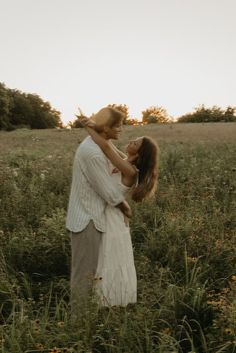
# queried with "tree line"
point(209, 115)
point(19, 109)
point(151, 115)
point(159, 115)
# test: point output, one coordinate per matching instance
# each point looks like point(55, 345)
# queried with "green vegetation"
point(159, 115)
point(25, 110)
point(184, 246)
point(18, 109)
point(152, 115)
point(155, 115)
point(209, 115)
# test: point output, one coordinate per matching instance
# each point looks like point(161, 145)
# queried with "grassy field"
point(184, 247)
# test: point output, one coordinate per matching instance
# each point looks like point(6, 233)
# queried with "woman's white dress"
point(115, 280)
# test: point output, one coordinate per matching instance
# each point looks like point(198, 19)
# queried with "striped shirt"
point(92, 188)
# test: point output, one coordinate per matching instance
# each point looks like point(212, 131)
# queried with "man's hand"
point(125, 209)
point(126, 219)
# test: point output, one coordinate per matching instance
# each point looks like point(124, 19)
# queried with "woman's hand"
point(85, 122)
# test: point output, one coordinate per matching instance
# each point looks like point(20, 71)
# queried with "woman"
point(115, 280)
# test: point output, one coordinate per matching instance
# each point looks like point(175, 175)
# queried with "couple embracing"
point(98, 213)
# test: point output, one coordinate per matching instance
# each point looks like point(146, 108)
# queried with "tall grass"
point(184, 247)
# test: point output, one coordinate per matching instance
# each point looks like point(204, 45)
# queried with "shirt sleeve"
point(98, 176)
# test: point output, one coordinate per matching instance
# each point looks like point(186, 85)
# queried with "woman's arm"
point(124, 166)
point(120, 153)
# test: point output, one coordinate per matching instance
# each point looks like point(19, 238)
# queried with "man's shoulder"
point(89, 148)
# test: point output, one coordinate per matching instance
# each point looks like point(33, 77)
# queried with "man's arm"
point(125, 209)
point(97, 173)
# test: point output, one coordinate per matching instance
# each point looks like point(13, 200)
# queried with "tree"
point(155, 115)
point(43, 116)
point(132, 121)
point(19, 109)
point(76, 123)
point(230, 114)
point(214, 114)
point(4, 107)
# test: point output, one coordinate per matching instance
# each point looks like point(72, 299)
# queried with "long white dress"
point(116, 280)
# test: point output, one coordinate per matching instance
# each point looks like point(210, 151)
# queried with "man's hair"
point(116, 116)
point(107, 116)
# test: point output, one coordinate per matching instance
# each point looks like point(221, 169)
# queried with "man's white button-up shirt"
point(92, 188)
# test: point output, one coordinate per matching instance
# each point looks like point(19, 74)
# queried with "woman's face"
point(134, 145)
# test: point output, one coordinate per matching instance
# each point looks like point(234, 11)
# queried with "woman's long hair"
point(147, 164)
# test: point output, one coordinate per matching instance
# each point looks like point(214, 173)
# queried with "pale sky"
point(90, 53)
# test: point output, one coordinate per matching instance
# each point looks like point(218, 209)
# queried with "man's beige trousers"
point(84, 252)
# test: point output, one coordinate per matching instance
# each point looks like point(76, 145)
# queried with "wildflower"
point(60, 324)
point(39, 346)
point(15, 173)
point(214, 302)
point(228, 331)
point(191, 259)
point(55, 350)
point(37, 330)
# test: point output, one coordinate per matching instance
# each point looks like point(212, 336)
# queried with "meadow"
point(184, 246)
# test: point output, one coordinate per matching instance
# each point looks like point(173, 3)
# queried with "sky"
point(177, 54)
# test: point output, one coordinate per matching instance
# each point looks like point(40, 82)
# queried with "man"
point(91, 190)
